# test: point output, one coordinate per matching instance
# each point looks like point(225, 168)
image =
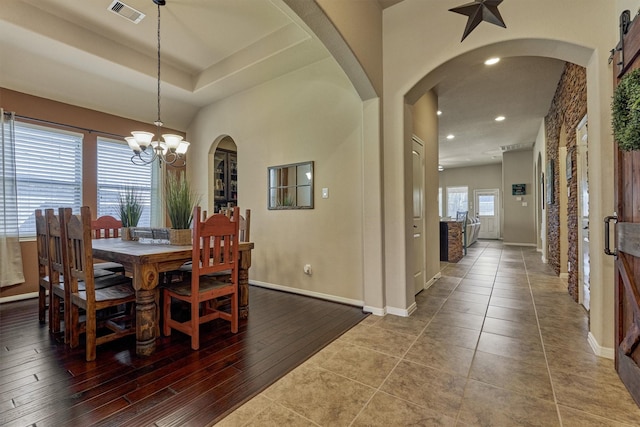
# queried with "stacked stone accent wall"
point(568, 107)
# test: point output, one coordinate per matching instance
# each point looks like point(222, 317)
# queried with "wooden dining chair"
point(100, 295)
point(107, 227)
point(43, 267)
point(55, 266)
point(215, 249)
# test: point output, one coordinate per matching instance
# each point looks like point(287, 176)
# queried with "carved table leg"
point(145, 322)
point(243, 283)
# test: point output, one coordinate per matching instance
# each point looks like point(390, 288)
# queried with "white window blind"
point(115, 172)
point(48, 172)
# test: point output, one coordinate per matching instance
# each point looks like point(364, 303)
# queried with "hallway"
point(496, 341)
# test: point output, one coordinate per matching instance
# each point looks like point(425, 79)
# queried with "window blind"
point(115, 172)
point(48, 172)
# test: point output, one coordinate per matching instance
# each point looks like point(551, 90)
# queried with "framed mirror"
point(291, 186)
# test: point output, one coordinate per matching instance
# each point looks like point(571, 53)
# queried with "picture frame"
point(550, 182)
point(518, 189)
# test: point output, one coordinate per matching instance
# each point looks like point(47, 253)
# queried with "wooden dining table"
point(144, 262)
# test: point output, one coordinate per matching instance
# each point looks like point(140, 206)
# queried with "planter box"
point(180, 237)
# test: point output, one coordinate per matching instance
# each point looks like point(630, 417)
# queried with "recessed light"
point(499, 118)
point(491, 61)
point(440, 168)
point(439, 113)
point(451, 136)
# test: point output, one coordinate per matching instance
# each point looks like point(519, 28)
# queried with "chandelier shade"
point(146, 150)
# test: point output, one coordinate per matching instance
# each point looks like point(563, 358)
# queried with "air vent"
point(126, 12)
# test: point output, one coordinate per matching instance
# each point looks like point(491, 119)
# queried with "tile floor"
point(496, 341)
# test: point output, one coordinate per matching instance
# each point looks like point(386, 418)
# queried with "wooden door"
point(418, 216)
point(627, 271)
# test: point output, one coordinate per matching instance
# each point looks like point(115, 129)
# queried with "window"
point(457, 200)
point(48, 172)
point(115, 171)
point(440, 213)
point(486, 205)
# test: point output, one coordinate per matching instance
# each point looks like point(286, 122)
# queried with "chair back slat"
point(42, 244)
point(55, 246)
point(105, 227)
point(80, 257)
point(215, 245)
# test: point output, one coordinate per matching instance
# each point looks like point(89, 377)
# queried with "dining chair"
point(43, 266)
point(55, 266)
point(215, 249)
point(461, 216)
point(101, 298)
point(107, 227)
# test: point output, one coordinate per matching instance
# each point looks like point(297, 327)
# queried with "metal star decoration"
point(478, 11)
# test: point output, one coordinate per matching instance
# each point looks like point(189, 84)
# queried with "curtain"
point(10, 257)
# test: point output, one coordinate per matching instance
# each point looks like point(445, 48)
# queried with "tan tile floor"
point(495, 342)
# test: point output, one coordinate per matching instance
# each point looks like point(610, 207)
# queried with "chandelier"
point(172, 149)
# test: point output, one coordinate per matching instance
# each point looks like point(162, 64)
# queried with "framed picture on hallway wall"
point(549, 189)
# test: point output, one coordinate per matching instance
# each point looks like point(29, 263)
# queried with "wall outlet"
point(307, 269)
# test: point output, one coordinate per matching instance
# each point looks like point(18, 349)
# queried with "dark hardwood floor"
point(44, 383)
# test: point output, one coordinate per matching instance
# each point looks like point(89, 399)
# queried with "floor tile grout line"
point(544, 349)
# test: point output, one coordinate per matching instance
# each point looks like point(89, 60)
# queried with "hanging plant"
point(626, 112)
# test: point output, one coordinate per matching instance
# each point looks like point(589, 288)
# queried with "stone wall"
point(568, 107)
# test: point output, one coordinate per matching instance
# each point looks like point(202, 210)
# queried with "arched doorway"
point(223, 174)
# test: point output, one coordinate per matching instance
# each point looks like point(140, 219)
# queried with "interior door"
point(488, 211)
point(418, 216)
point(627, 236)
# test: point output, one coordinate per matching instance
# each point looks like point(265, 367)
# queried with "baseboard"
point(520, 244)
point(374, 310)
point(606, 352)
point(307, 293)
point(18, 297)
point(402, 312)
point(432, 280)
point(544, 260)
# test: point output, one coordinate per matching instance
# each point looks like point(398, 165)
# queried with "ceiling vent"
point(515, 147)
point(127, 12)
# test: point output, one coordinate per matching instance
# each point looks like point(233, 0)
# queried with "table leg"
point(145, 322)
point(243, 283)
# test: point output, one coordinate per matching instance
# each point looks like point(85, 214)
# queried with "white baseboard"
point(374, 310)
point(520, 244)
point(544, 260)
point(606, 352)
point(307, 293)
point(19, 297)
point(432, 280)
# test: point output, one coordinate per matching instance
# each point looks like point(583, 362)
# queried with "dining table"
point(144, 262)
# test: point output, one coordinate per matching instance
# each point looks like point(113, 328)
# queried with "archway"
point(223, 174)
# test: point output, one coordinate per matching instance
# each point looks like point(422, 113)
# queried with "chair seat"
point(207, 283)
point(117, 292)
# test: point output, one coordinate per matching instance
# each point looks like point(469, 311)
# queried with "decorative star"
point(478, 11)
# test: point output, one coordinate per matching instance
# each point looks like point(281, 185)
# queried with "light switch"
point(525, 204)
point(325, 193)
point(518, 198)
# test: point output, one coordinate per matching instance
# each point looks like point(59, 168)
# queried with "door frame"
point(418, 223)
point(497, 209)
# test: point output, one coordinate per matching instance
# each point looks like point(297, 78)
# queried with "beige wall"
point(518, 221)
point(313, 114)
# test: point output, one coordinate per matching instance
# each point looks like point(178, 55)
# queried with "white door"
point(418, 216)
point(488, 210)
point(584, 291)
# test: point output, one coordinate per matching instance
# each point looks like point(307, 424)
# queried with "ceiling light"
point(439, 113)
point(450, 136)
point(499, 118)
point(492, 61)
point(172, 149)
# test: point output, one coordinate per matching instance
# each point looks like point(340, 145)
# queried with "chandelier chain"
point(159, 121)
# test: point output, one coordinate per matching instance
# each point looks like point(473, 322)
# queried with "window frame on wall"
point(114, 172)
point(455, 204)
point(48, 172)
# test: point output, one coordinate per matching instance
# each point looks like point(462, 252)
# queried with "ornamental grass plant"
point(130, 206)
point(180, 200)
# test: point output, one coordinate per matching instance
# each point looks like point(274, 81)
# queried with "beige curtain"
point(10, 258)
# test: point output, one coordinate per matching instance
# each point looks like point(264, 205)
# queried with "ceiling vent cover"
point(515, 147)
point(126, 12)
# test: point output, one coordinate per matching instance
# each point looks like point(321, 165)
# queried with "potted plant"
point(181, 200)
point(130, 209)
